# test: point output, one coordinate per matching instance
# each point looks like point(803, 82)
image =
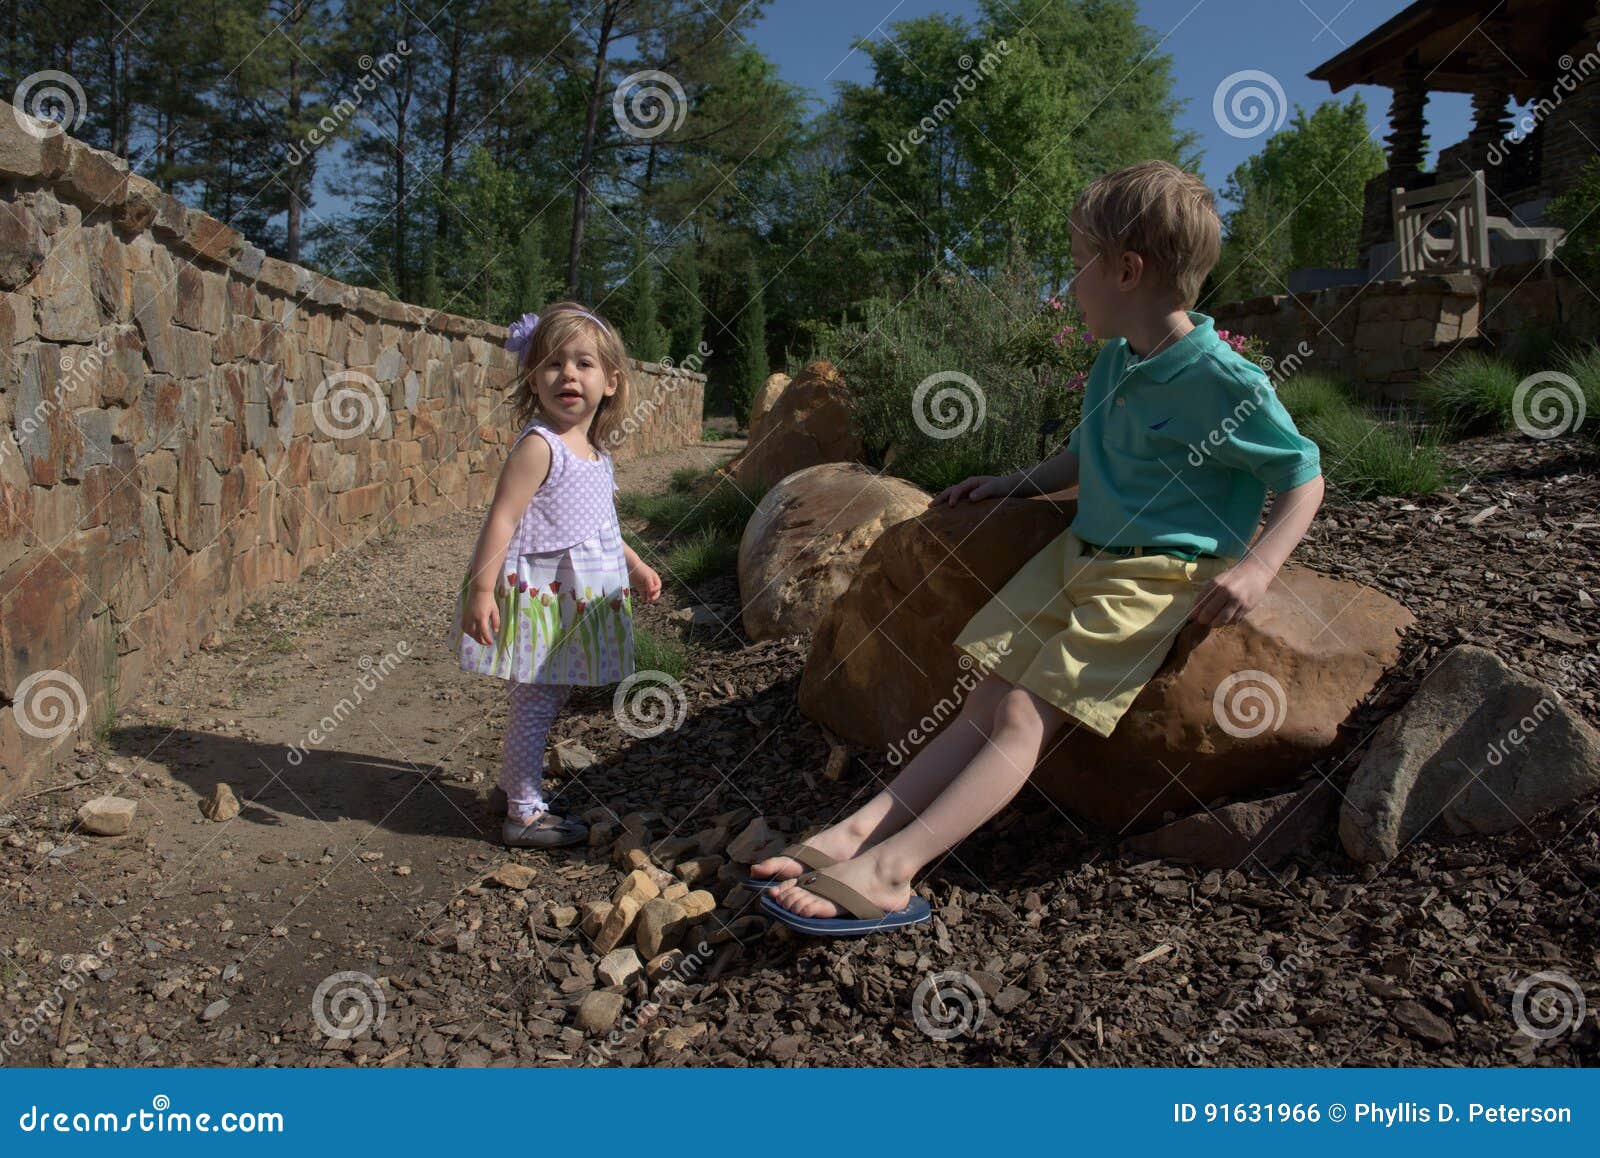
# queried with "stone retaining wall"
point(1384, 336)
point(186, 422)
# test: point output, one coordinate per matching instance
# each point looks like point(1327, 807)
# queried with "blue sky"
point(1208, 40)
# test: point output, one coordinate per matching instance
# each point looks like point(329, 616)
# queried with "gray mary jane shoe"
point(547, 831)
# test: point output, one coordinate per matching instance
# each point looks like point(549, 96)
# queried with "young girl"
point(548, 603)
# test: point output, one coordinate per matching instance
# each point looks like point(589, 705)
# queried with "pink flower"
point(1055, 303)
point(1076, 381)
point(1088, 338)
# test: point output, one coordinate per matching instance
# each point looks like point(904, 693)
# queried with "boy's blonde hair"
point(558, 325)
point(1165, 214)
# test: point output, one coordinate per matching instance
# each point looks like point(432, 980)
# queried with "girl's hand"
point(642, 577)
point(481, 618)
point(979, 486)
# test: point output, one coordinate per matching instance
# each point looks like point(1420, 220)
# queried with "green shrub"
point(652, 652)
point(1471, 393)
point(1003, 400)
point(1363, 457)
point(1576, 212)
point(1308, 397)
point(1582, 363)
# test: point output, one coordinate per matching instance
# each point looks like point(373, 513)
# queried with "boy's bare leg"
point(1023, 725)
point(919, 782)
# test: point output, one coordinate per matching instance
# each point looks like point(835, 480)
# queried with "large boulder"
point(806, 538)
point(1479, 748)
point(1234, 711)
point(810, 423)
point(761, 405)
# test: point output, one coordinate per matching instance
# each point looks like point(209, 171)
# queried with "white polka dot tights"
point(533, 708)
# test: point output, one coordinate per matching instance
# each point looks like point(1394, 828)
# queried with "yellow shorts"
point(1087, 633)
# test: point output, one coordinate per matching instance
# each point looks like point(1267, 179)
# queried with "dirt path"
point(358, 862)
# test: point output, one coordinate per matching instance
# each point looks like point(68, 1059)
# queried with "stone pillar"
point(1407, 128)
point(1491, 120)
point(1575, 124)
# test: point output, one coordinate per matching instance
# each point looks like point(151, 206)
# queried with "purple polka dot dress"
point(566, 611)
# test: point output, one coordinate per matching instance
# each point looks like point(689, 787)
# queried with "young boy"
point(1180, 440)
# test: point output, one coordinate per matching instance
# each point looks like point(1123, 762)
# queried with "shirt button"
point(1122, 401)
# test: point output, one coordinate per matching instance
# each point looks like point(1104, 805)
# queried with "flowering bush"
point(1250, 346)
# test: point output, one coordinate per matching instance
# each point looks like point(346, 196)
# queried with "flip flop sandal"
point(865, 917)
point(810, 857)
point(548, 831)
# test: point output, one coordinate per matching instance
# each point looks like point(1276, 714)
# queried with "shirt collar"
point(1165, 365)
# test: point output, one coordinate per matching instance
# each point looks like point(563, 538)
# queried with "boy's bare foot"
point(837, 842)
point(865, 874)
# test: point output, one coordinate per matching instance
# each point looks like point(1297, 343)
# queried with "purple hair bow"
point(521, 333)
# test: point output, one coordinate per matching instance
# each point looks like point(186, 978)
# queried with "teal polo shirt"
point(1180, 450)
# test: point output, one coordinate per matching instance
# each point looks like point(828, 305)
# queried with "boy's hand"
point(979, 486)
point(1231, 594)
point(480, 620)
point(642, 577)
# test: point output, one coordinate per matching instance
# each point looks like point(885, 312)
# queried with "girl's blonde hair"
point(558, 325)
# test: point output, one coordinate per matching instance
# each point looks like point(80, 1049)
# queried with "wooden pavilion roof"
point(1444, 38)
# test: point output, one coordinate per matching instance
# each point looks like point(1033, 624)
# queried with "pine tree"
point(683, 307)
point(750, 364)
point(645, 337)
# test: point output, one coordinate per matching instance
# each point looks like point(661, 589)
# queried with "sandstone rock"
point(571, 756)
point(220, 803)
point(107, 815)
point(618, 924)
point(592, 916)
point(809, 424)
point(561, 916)
point(711, 841)
point(702, 868)
point(619, 967)
point(804, 541)
point(663, 965)
point(637, 885)
point(660, 927)
point(761, 405)
point(756, 842)
point(676, 891)
point(697, 906)
point(1227, 836)
point(883, 671)
point(1479, 748)
point(512, 875)
point(598, 1011)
